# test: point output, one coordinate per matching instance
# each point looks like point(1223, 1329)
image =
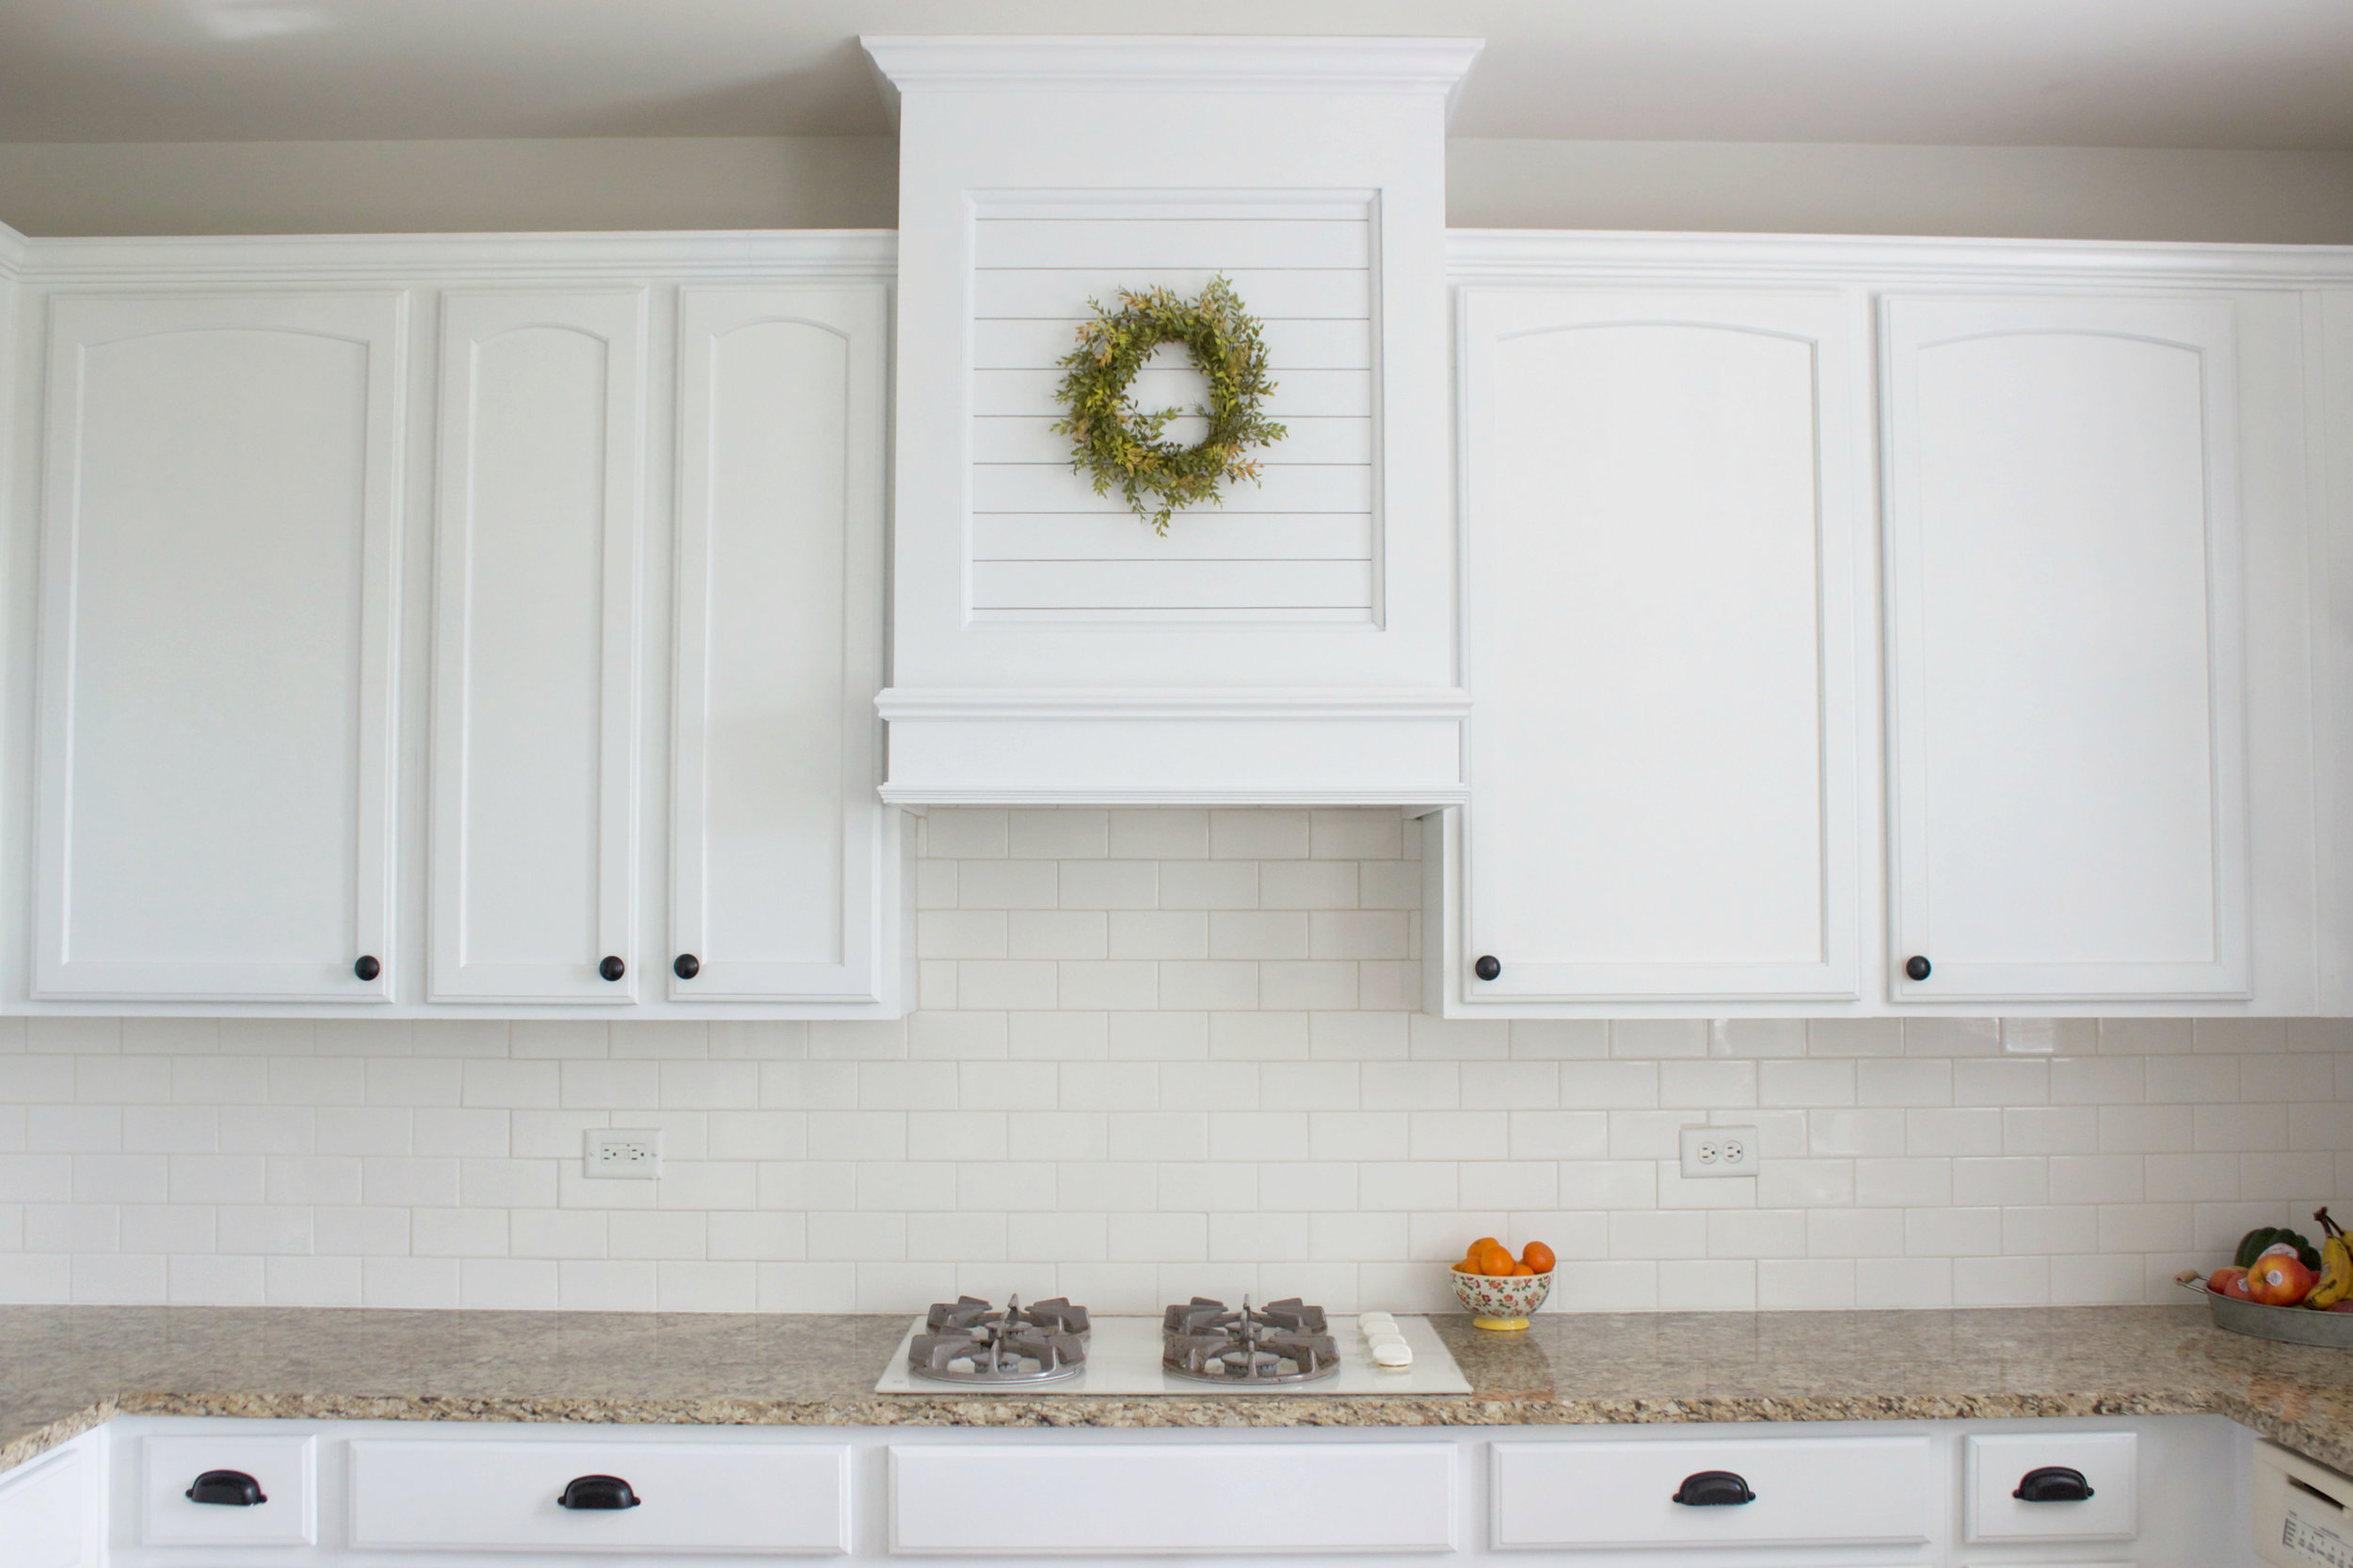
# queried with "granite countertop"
point(64, 1369)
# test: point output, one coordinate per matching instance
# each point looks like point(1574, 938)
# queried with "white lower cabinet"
point(2160, 1492)
point(2051, 1487)
point(49, 1509)
point(737, 1499)
point(1768, 1492)
point(1158, 1499)
point(228, 1489)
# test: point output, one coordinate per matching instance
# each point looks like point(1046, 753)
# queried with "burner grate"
point(969, 1340)
point(1280, 1342)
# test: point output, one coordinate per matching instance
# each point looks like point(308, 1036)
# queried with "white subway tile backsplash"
point(1157, 1050)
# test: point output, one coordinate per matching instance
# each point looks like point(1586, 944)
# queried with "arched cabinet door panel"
point(539, 530)
point(1660, 513)
point(221, 523)
point(777, 838)
point(2066, 703)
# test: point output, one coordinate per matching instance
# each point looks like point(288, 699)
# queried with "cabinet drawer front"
point(1997, 1463)
point(1155, 1499)
point(694, 1497)
point(285, 1468)
point(1878, 1489)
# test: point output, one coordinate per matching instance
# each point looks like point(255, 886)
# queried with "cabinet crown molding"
point(1170, 63)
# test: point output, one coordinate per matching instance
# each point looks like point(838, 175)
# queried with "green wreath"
point(1118, 444)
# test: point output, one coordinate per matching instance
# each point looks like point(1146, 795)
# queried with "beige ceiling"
point(2217, 74)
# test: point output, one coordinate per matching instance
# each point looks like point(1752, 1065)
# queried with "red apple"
point(2280, 1280)
point(2236, 1287)
point(2345, 1305)
point(2222, 1279)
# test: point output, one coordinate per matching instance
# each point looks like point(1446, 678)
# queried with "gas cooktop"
point(1196, 1347)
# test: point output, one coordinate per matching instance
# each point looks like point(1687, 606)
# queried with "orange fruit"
point(1538, 1257)
point(1464, 1267)
point(1494, 1259)
point(1521, 1271)
point(1480, 1245)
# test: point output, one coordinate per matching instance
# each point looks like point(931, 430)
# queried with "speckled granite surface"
point(64, 1369)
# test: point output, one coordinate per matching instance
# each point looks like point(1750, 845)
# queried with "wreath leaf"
point(1117, 443)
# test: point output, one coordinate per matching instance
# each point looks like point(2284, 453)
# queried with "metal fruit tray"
point(2292, 1325)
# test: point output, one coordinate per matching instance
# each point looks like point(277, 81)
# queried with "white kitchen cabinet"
point(2057, 717)
point(1770, 1492)
point(740, 1499)
point(220, 521)
point(283, 1467)
point(1661, 515)
point(536, 722)
point(2066, 680)
point(49, 1510)
point(372, 587)
point(1161, 1500)
point(780, 849)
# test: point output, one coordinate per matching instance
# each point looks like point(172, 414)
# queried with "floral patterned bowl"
point(1500, 1301)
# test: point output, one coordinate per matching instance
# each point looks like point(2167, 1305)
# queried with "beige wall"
point(289, 187)
point(851, 182)
point(2022, 192)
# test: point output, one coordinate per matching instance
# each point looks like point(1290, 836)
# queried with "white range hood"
point(1299, 643)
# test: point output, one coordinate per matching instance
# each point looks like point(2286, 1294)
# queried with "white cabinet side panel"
point(2066, 709)
point(219, 534)
point(49, 1509)
point(535, 745)
point(778, 837)
point(1660, 524)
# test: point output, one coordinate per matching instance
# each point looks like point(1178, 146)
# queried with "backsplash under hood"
point(1299, 643)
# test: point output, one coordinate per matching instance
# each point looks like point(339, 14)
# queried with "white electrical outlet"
point(624, 1152)
point(1718, 1151)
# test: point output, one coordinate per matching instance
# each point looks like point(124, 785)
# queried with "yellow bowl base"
point(1501, 1324)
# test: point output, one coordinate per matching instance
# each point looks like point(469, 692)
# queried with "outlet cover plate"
point(628, 1154)
point(1718, 1151)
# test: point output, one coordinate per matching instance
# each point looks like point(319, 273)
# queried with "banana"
point(2336, 1265)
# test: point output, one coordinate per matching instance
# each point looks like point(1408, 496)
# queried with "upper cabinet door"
point(219, 532)
point(776, 829)
point(1660, 525)
point(534, 660)
point(2067, 794)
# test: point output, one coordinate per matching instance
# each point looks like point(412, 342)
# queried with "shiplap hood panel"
point(1299, 643)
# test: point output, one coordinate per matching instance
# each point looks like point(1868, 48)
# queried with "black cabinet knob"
point(2053, 1483)
point(598, 1492)
point(367, 967)
point(687, 967)
point(228, 1488)
point(1713, 1489)
point(1488, 966)
point(611, 968)
point(1916, 967)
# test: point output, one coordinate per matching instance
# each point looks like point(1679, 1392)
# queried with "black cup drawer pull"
point(1713, 1489)
point(228, 1488)
point(2053, 1483)
point(598, 1492)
